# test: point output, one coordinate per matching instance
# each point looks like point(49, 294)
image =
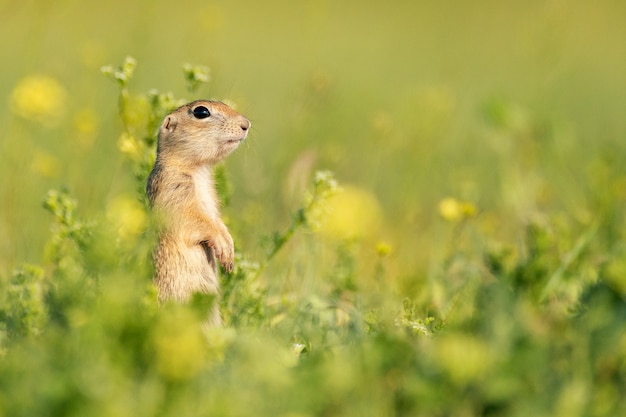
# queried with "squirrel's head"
point(202, 132)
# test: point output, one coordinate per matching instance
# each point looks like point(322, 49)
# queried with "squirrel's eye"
point(201, 112)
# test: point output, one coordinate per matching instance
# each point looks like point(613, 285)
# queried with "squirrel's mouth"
point(237, 140)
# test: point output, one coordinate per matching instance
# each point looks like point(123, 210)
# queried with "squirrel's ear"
point(169, 124)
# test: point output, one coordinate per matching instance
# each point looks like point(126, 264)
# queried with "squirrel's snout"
point(245, 124)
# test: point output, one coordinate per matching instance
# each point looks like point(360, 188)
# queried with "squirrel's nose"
point(245, 124)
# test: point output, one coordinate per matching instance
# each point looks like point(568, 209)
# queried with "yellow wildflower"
point(469, 210)
point(127, 215)
point(453, 210)
point(351, 213)
point(129, 146)
point(383, 249)
point(45, 164)
point(180, 349)
point(40, 99)
point(465, 358)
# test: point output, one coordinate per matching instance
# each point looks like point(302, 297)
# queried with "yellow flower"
point(40, 99)
point(351, 213)
point(453, 210)
point(129, 146)
point(45, 164)
point(383, 249)
point(127, 215)
point(465, 358)
point(180, 348)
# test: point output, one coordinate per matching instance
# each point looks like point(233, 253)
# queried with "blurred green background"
point(510, 106)
point(474, 263)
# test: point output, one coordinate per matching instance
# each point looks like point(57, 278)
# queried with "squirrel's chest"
point(204, 192)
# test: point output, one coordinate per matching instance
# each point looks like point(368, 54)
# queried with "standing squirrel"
point(181, 191)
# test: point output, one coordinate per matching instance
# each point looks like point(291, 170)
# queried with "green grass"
point(429, 213)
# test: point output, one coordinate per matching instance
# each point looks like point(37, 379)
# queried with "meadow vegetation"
point(429, 213)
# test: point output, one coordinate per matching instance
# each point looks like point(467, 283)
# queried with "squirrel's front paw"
point(224, 249)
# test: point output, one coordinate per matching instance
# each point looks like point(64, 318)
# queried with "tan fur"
point(180, 188)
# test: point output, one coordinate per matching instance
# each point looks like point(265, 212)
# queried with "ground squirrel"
point(182, 194)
